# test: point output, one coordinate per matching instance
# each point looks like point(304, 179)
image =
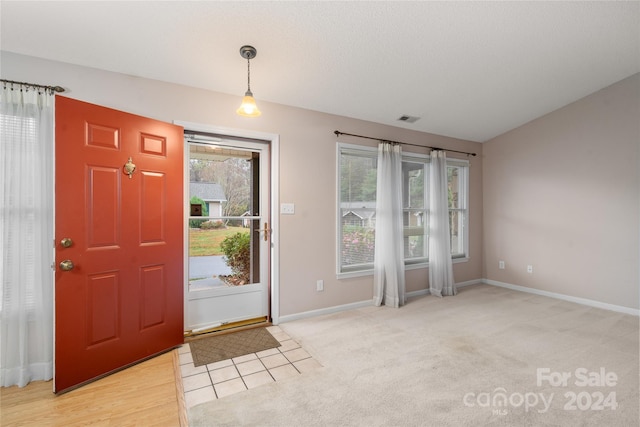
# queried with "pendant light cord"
point(248, 75)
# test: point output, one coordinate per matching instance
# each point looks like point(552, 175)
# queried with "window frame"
point(357, 150)
point(29, 212)
point(410, 264)
point(463, 206)
point(424, 160)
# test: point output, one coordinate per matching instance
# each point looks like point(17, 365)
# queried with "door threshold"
point(226, 328)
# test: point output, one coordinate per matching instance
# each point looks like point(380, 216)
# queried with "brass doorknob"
point(66, 265)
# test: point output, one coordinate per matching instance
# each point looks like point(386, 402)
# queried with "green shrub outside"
point(237, 250)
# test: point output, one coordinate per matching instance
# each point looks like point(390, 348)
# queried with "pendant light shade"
point(248, 108)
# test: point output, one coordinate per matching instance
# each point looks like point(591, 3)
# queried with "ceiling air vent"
point(408, 119)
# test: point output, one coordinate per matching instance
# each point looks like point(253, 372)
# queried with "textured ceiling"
point(471, 70)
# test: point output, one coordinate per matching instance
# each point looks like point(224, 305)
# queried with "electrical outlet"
point(320, 285)
point(530, 269)
point(501, 265)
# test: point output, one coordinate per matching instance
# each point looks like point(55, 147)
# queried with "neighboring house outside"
point(363, 214)
point(211, 193)
point(359, 214)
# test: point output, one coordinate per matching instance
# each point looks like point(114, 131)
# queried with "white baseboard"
point(469, 283)
point(419, 293)
point(577, 300)
point(327, 310)
point(360, 304)
point(422, 292)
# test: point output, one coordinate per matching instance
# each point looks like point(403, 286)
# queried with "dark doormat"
point(221, 347)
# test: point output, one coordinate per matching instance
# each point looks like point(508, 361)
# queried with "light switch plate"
point(287, 208)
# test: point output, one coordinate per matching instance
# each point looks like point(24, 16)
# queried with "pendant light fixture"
point(248, 108)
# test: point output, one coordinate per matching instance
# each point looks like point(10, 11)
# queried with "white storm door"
point(228, 231)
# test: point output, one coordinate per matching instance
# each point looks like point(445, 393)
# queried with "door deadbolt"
point(66, 242)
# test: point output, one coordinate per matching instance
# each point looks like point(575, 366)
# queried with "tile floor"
point(216, 380)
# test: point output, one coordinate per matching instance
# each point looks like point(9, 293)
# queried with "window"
point(415, 213)
point(457, 178)
point(357, 208)
point(20, 139)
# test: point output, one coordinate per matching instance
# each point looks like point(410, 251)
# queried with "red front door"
point(119, 240)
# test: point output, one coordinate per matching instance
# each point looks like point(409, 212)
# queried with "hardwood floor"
point(147, 394)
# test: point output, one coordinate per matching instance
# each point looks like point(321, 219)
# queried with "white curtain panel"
point(26, 231)
point(388, 266)
point(441, 280)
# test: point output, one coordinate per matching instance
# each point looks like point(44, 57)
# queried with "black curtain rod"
point(338, 133)
point(51, 89)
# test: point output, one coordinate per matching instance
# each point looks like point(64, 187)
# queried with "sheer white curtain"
point(388, 265)
point(440, 268)
point(26, 231)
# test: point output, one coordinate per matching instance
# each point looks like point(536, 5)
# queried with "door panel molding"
point(118, 286)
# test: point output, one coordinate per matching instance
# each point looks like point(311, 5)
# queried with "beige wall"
point(562, 193)
point(307, 169)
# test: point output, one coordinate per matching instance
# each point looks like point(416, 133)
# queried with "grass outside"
point(207, 242)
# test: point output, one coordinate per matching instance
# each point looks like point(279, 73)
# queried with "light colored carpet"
point(447, 362)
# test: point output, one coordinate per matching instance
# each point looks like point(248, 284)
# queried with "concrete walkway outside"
point(205, 270)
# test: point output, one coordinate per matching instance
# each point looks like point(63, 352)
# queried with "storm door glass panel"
point(223, 186)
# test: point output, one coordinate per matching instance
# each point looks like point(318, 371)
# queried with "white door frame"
point(274, 144)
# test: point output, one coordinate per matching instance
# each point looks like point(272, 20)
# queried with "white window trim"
point(343, 147)
point(466, 182)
